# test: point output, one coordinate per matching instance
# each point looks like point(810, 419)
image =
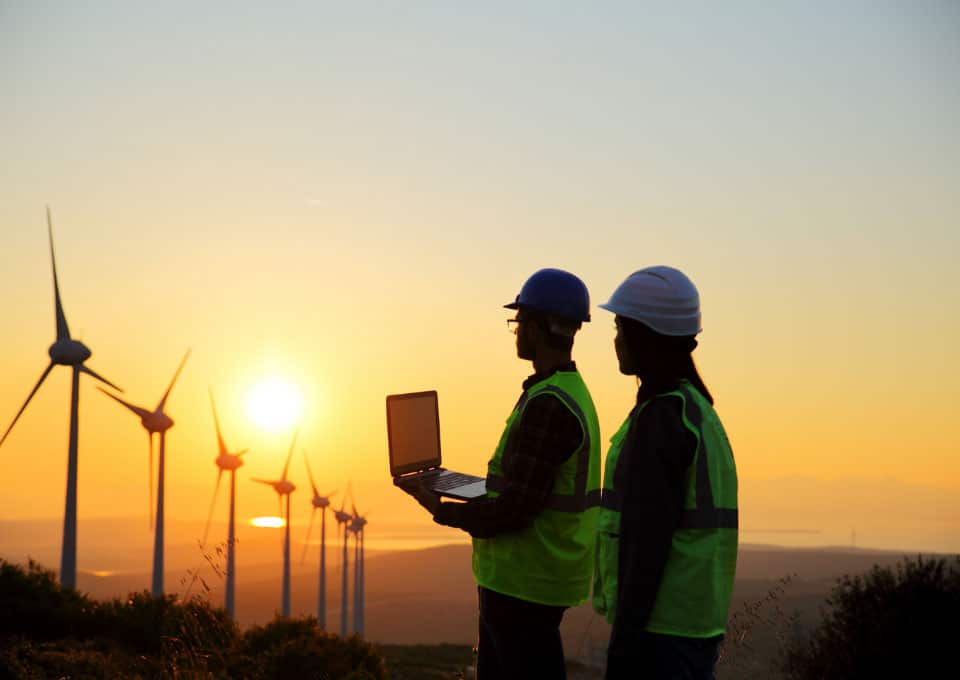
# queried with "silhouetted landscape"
point(428, 596)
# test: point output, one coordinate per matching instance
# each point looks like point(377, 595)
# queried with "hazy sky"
point(344, 195)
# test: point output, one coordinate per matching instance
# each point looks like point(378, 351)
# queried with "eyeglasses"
point(513, 325)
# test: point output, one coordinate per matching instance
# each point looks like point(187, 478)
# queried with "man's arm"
point(548, 434)
point(653, 463)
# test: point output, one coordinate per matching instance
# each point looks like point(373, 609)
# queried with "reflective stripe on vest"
point(706, 515)
point(558, 502)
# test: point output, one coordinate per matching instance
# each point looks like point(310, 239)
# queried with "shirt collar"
point(652, 388)
point(538, 377)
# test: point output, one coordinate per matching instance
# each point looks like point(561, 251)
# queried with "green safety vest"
point(551, 560)
point(694, 594)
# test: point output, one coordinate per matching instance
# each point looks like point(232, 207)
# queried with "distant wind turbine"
point(65, 351)
point(230, 462)
point(156, 422)
point(284, 487)
point(321, 502)
point(357, 526)
point(344, 518)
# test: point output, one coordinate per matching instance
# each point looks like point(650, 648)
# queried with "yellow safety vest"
point(551, 560)
point(693, 599)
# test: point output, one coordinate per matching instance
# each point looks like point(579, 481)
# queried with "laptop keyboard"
point(452, 480)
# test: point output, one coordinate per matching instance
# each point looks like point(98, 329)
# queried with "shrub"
point(22, 659)
point(886, 623)
point(298, 648)
point(145, 623)
point(48, 631)
point(33, 604)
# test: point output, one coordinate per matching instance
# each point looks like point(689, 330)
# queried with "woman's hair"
point(674, 360)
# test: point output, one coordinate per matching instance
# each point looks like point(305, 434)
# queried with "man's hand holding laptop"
point(430, 500)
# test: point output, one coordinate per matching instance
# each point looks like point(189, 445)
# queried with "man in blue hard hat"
point(534, 532)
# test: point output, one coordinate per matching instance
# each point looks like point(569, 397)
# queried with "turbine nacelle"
point(157, 422)
point(69, 352)
point(342, 517)
point(284, 487)
point(321, 502)
point(229, 461)
point(357, 524)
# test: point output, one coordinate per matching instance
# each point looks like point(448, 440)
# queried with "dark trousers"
point(666, 657)
point(519, 639)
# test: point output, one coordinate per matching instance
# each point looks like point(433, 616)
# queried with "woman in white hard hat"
point(667, 544)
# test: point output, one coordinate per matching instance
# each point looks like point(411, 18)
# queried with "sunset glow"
point(267, 522)
point(274, 404)
point(321, 247)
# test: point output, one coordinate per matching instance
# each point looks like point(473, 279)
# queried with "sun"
point(267, 522)
point(274, 404)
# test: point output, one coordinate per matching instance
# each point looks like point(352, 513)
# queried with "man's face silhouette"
point(528, 334)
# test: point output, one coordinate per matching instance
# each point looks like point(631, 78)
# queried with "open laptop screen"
point(413, 431)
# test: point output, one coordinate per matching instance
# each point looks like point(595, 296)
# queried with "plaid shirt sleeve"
point(548, 434)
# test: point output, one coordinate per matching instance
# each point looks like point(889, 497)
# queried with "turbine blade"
point(309, 473)
point(175, 376)
point(242, 453)
point(216, 423)
point(306, 541)
point(262, 481)
point(142, 412)
point(36, 387)
point(63, 332)
point(290, 454)
point(213, 503)
point(90, 372)
point(331, 494)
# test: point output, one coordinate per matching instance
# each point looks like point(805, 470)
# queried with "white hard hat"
point(661, 297)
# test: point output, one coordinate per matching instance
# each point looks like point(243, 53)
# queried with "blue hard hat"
point(554, 292)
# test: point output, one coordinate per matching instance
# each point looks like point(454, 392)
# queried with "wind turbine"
point(344, 518)
point(65, 351)
point(156, 422)
point(226, 461)
point(321, 502)
point(356, 526)
point(284, 487)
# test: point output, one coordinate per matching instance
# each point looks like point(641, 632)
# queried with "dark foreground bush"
point(50, 632)
point(90, 660)
point(298, 648)
point(887, 623)
point(33, 604)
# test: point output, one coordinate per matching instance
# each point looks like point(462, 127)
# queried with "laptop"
point(413, 433)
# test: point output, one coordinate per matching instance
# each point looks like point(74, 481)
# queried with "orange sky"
point(350, 211)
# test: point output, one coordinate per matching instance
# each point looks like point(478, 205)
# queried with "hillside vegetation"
point(50, 632)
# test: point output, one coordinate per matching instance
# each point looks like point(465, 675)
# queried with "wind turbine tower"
point(156, 422)
point(344, 518)
point(284, 488)
point(230, 462)
point(357, 526)
point(321, 502)
point(65, 351)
